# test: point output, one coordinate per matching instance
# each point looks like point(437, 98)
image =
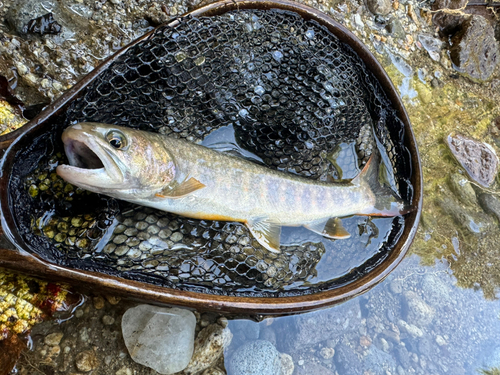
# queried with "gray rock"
point(310, 368)
point(436, 292)
point(310, 329)
point(490, 204)
point(347, 361)
point(287, 365)
point(462, 188)
point(477, 158)
point(160, 338)
point(474, 50)
point(431, 45)
point(395, 28)
point(379, 7)
point(255, 357)
point(418, 312)
point(462, 217)
point(375, 362)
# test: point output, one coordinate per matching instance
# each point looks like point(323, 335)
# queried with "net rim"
point(24, 261)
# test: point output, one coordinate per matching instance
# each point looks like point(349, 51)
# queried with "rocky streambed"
point(438, 313)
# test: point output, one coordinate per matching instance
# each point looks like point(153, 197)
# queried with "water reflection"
point(417, 321)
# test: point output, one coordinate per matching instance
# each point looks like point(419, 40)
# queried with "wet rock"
point(53, 339)
point(411, 329)
point(160, 338)
point(418, 312)
point(108, 320)
point(310, 329)
point(463, 190)
point(477, 158)
point(124, 371)
point(98, 302)
point(440, 340)
point(462, 217)
point(403, 356)
point(431, 45)
point(326, 352)
point(436, 292)
point(395, 28)
point(379, 362)
point(490, 204)
point(287, 365)
point(376, 361)
point(214, 371)
point(474, 50)
point(208, 348)
point(268, 334)
point(347, 361)
point(42, 25)
point(310, 368)
point(247, 329)
point(86, 361)
point(255, 357)
point(448, 22)
point(379, 7)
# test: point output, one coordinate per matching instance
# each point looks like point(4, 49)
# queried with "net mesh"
point(293, 95)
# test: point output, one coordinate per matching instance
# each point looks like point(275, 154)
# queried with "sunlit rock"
point(255, 357)
point(160, 338)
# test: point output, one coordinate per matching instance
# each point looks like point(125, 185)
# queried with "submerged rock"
point(477, 158)
point(474, 50)
point(255, 357)
point(490, 204)
point(160, 338)
point(462, 188)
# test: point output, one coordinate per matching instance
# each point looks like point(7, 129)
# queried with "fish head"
point(114, 160)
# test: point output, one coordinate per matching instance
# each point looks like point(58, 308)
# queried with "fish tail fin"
point(387, 201)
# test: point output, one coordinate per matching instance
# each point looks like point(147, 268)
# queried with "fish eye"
point(117, 139)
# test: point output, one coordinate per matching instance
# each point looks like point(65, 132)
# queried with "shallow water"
point(437, 313)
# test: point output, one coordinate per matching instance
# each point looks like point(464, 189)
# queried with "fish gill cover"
point(293, 96)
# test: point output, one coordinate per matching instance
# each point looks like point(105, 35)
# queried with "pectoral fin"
point(331, 228)
point(266, 233)
point(184, 188)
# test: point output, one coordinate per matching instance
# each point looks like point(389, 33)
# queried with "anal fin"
point(331, 228)
point(266, 233)
point(184, 188)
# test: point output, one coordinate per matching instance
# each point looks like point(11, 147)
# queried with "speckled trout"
point(191, 180)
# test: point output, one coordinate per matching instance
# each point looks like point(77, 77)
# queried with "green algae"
point(451, 228)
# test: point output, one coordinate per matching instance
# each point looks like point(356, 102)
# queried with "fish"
point(194, 181)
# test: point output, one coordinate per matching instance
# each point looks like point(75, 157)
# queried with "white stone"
point(159, 338)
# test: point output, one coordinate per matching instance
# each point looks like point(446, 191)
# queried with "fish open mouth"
point(81, 156)
point(91, 165)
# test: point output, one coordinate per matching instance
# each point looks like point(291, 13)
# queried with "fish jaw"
point(91, 166)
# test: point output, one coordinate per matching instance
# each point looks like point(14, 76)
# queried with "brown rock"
point(474, 49)
point(86, 361)
point(208, 348)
